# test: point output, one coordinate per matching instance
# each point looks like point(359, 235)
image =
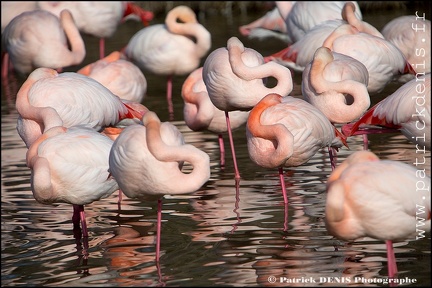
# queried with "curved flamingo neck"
point(189, 26)
point(282, 138)
point(348, 14)
point(361, 100)
point(74, 37)
point(344, 29)
point(188, 153)
point(47, 117)
point(270, 69)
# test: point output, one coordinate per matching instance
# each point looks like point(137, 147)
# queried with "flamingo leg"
point(365, 142)
point(222, 150)
point(333, 157)
point(83, 221)
point(282, 181)
point(391, 260)
point(120, 198)
point(101, 48)
point(158, 229)
point(236, 171)
point(169, 97)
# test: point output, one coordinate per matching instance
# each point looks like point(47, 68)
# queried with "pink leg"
point(5, 65)
point(365, 142)
point(222, 150)
point(120, 197)
point(332, 155)
point(158, 229)
point(282, 181)
point(83, 221)
point(101, 48)
point(391, 260)
point(169, 97)
point(237, 174)
point(79, 215)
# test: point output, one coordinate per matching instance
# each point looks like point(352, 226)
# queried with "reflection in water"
point(222, 235)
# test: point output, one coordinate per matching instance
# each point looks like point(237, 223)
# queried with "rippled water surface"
point(221, 235)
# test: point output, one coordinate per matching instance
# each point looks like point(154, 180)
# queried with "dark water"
point(217, 236)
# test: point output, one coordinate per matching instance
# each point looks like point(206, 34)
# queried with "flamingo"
point(383, 60)
point(270, 25)
point(235, 79)
point(173, 48)
point(146, 160)
point(408, 109)
point(200, 113)
point(305, 15)
point(120, 76)
point(70, 165)
point(337, 85)
point(77, 99)
point(98, 18)
point(38, 38)
point(287, 132)
point(412, 35)
point(382, 199)
point(298, 55)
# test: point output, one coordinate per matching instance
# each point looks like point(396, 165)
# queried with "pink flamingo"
point(305, 15)
point(383, 60)
point(287, 132)
point(369, 197)
point(412, 35)
point(70, 165)
point(98, 18)
point(270, 25)
point(408, 109)
point(173, 48)
point(38, 38)
point(120, 76)
point(147, 160)
point(77, 99)
point(235, 79)
point(337, 85)
point(200, 113)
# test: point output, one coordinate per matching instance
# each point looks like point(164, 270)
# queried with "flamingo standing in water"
point(98, 18)
point(369, 197)
point(146, 160)
point(70, 165)
point(120, 76)
point(77, 99)
point(408, 109)
point(173, 48)
point(200, 113)
point(337, 85)
point(412, 35)
point(38, 38)
point(235, 78)
point(287, 131)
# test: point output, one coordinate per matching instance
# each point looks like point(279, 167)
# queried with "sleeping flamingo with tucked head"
point(70, 165)
point(77, 99)
point(146, 160)
point(369, 197)
point(337, 85)
point(173, 48)
point(38, 38)
point(235, 77)
point(287, 132)
point(200, 113)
